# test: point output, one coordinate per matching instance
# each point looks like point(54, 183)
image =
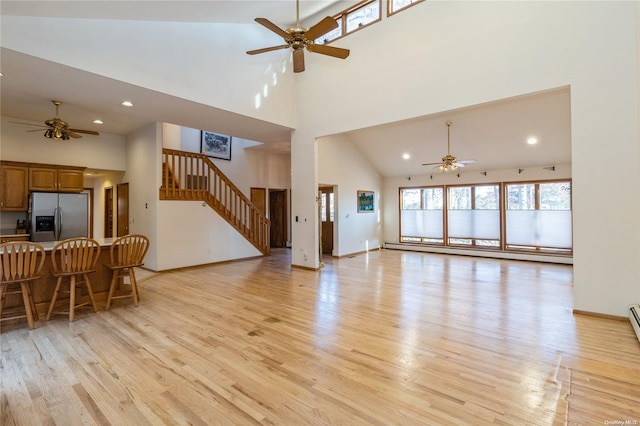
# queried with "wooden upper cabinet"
point(70, 180)
point(43, 179)
point(15, 191)
point(52, 179)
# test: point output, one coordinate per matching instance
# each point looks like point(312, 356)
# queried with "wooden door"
point(108, 212)
point(326, 218)
point(278, 217)
point(122, 207)
point(259, 199)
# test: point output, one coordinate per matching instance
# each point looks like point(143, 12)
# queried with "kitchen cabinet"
point(56, 179)
point(15, 190)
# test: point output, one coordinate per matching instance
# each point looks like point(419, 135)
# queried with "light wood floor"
point(385, 338)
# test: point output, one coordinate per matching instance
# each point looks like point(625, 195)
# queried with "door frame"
point(118, 215)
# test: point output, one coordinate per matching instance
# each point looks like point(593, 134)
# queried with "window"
point(538, 216)
point(327, 210)
point(421, 219)
point(394, 6)
point(352, 19)
point(534, 216)
point(474, 216)
point(363, 16)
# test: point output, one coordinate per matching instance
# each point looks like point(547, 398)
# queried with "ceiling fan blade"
point(432, 164)
point(458, 164)
point(73, 135)
point(88, 132)
point(298, 60)
point(321, 28)
point(336, 52)
point(467, 161)
point(273, 27)
point(29, 124)
point(267, 49)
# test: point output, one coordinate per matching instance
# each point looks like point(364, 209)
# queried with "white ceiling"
point(493, 134)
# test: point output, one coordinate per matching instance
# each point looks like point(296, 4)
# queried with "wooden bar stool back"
point(20, 264)
point(127, 253)
point(73, 259)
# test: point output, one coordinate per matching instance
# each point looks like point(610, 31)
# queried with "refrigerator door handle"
point(57, 223)
point(61, 213)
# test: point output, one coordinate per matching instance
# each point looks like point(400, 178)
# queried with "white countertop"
point(104, 242)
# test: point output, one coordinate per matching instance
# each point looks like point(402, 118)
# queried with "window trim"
point(503, 247)
point(391, 12)
point(514, 248)
point(342, 18)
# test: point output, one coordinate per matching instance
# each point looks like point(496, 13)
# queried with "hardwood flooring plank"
point(380, 338)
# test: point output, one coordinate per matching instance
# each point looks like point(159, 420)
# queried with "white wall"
point(191, 233)
point(99, 183)
point(97, 153)
point(195, 61)
point(341, 165)
point(143, 175)
point(442, 56)
point(247, 168)
point(107, 152)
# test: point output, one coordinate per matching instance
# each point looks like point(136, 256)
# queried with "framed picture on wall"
point(215, 145)
point(365, 201)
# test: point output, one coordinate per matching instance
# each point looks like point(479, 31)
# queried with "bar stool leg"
point(134, 287)
point(55, 297)
point(112, 288)
point(72, 298)
point(27, 304)
point(87, 283)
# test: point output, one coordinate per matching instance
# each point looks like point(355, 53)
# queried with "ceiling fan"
point(298, 38)
point(57, 128)
point(449, 162)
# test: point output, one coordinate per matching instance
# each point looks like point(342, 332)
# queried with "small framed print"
point(365, 201)
point(215, 145)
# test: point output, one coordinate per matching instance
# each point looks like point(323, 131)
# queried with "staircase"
point(190, 176)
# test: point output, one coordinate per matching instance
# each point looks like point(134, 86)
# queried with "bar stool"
point(126, 253)
point(20, 265)
point(75, 259)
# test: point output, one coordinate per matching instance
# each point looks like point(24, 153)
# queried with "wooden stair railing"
point(191, 176)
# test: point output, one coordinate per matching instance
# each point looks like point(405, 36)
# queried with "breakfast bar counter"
point(42, 289)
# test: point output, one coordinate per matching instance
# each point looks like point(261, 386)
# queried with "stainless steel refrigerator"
point(56, 216)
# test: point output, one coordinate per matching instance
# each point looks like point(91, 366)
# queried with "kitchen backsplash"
point(8, 221)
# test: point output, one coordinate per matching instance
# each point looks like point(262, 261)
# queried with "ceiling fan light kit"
point(58, 129)
point(299, 38)
point(449, 163)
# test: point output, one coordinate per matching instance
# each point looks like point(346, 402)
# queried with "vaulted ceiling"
point(494, 134)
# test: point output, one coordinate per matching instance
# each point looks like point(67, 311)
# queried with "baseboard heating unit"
point(634, 317)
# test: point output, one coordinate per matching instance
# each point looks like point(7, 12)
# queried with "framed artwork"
point(215, 145)
point(365, 201)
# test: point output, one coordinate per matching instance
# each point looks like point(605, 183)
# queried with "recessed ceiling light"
point(97, 122)
point(532, 141)
point(127, 103)
point(406, 156)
